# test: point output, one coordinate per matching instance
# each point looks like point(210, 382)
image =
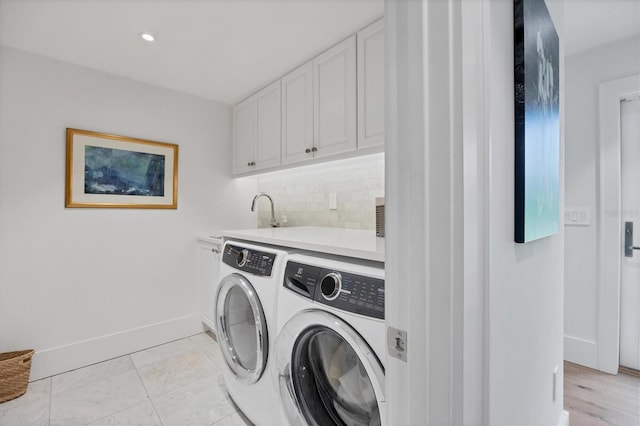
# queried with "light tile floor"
point(179, 383)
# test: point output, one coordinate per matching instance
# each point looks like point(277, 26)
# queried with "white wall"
point(584, 72)
point(302, 194)
point(525, 281)
point(83, 285)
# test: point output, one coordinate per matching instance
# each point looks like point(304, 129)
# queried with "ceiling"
point(216, 49)
point(592, 23)
point(225, 49)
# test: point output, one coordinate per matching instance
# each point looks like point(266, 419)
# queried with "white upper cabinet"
point(330, 106)
point(268, 119)
point(297, 114)
point(334, 78)
point(257, 131)
point(371, 85)
point(244, 136)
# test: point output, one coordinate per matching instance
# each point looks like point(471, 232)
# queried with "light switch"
point(576, 216)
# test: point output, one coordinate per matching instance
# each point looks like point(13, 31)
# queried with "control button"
point(378, 308)
point(369, 305)
point(352, 300)
point(242, 257)
point(360, 303)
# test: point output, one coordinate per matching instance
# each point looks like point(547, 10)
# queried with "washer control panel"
point(248, 260)
point(339, 289)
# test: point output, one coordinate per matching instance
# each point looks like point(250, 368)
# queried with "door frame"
point(609, 219)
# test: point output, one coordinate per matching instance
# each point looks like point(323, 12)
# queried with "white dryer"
point(245, 321)
point(329, 367)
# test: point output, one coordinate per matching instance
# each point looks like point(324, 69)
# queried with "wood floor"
point(595, 398)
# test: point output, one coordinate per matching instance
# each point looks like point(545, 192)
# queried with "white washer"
point(245, 321)
point(331, 342)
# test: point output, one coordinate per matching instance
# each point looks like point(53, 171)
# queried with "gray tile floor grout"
point(177, 383)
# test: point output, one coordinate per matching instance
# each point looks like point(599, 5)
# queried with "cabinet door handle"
point(307, 151)
point(314, 149)
point(251, 163)
point(216, 251)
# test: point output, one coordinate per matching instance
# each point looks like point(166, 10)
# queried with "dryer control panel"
point(248, 260)
point(339, 289)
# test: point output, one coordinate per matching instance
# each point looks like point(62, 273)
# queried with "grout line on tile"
point(148, 396)
point(50, 399)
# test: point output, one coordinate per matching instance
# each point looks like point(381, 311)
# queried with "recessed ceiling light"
point(147, 37)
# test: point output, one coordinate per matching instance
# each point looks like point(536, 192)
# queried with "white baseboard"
point(564, 418)
point(581, 351)
point(49, 362)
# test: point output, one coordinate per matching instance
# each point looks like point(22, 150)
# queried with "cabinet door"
point(371, 85)
point(334, 76)
point(268, 126)
point(208, 259)
point(297, 114)
point(244, 136)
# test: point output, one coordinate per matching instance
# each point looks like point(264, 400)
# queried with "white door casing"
point(609, 220)
point(630, 212)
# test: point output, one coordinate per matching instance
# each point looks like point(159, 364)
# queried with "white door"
point(268, 126)
point(371, 85)
point(244, 136)
point(334, 76)
point(630, 266)
point(297, 114)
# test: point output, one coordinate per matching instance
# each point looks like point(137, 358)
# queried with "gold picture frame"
point(110, 171)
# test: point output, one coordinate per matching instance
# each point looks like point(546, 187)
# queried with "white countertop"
point(357, 243)
point(211, 240)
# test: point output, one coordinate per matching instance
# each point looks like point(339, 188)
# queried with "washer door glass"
point(242, 328)
point(330, 381)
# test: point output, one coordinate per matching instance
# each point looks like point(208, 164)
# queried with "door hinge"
point(397, 343)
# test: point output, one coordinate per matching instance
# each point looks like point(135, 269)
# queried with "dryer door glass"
point(330, 381)
point(242, 328)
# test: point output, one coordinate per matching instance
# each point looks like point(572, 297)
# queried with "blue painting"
point(121, 172)
point(537, 122)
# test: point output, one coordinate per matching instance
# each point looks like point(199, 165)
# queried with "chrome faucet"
point(274, 223)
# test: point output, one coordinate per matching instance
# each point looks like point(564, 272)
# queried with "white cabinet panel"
point(268, 122)
point(208, 262)
point(334, 74)
point(297, 114)
point(371, 85)
point(244, 135)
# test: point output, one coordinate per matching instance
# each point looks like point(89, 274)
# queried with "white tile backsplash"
point(302, 194)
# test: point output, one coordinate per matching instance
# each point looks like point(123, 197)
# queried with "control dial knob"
point(331, 285)
point(242, 257)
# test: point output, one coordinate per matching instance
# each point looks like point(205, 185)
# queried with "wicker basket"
point(14, 374)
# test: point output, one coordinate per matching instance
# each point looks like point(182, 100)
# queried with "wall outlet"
point(333, 201)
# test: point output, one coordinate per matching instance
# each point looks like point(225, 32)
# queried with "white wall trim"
point(564, 418)
point(424, 209)
point(609, 220)
point(49, 362)
point(581, 351)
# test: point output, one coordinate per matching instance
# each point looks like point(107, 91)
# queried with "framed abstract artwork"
point(119, 172)
point(537, 122)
